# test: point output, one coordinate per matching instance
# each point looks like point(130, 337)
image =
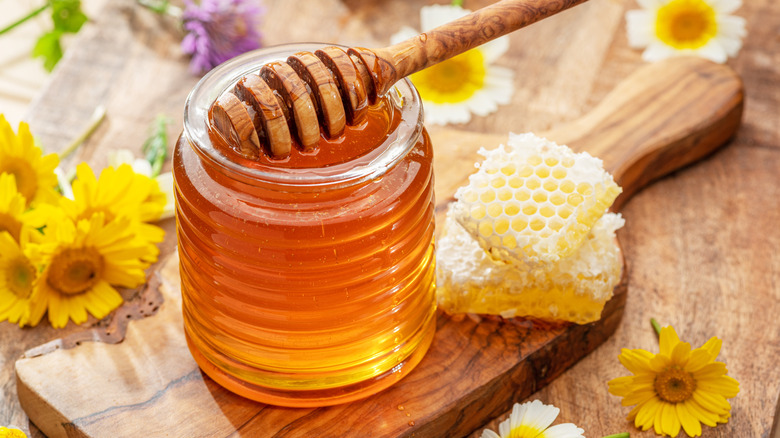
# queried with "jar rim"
point(363, 168)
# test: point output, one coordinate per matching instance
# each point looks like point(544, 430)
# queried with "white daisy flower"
point(467, 84)
point(533, 420)
point(704, 28)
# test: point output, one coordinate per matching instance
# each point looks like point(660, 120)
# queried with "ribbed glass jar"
point(306, 286)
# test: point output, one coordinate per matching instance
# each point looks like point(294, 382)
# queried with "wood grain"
point(701, 244)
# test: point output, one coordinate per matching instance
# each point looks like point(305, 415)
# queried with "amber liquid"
point(310, 297)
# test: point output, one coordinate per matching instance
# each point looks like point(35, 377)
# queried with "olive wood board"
point(660, 119)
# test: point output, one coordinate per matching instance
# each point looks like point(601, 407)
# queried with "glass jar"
point(306, 286)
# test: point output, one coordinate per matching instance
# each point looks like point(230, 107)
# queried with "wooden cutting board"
point(660, 119)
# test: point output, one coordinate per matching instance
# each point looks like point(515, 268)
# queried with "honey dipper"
point(332, 86)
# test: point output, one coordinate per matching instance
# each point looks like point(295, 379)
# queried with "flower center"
point(19, 277)
point(452, 81)
point(686, 24)
point(75, 270)
point(24, 174)
point(10, 224)
point(524, 431)
point(674, 385)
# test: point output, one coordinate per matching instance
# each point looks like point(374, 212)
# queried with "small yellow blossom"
point(676, 388)
point(84, 261)
point(704, 28)
point(466, 84)
point(33, 173)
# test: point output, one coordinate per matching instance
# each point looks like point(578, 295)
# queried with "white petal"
point(566, 430)
point(640, 28)
point(142, 167)
point(657, 52)
point(487, 433)
point(442, 114)
point(118, 157)
point(404, 33)
point(165, 181)
point(730, 45)
point(726, 6)
point(495, 49)
point(731, 25)
point(539, 416)
point(713, 51)
point(650, 4)
point(436, 15)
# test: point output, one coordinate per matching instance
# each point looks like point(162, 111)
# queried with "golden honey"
point(307, 282)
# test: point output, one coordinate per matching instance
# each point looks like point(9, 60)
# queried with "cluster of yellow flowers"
point(65, 255)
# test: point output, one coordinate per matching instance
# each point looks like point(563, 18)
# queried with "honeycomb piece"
point(534, 201)
point(573, 289)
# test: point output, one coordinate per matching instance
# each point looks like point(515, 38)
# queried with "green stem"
point(25, 18)
point(162, 7)
point(97, 119)
point(656, 326)
point(619, 435)
point(457, 3)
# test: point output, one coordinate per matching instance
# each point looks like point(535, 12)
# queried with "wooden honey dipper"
point(332, 86)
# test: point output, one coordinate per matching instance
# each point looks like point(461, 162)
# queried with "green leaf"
point(48, 47)
point(67, 15)
point(155, 147)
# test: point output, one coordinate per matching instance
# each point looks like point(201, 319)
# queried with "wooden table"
point(701, 245)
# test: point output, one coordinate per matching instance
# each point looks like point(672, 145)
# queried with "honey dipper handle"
point(388, 65)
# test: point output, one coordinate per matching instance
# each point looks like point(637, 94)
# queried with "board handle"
point(663, 117)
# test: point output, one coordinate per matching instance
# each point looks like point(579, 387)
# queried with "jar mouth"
point(366, 167)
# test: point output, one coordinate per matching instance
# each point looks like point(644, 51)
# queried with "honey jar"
point(309, 280)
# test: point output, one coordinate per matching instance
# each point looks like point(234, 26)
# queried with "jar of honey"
point(309, 280)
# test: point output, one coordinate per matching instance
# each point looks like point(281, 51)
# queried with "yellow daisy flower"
point(10, 432)
point(14, 213)
point(18, 272)
point(467, 84)
point(119, 192)
point(677, 387)
point(84, 261)
point(533, 420)
point(34, 174)
point(666, 28)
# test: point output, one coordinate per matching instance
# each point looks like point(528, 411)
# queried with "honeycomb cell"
point(519, 224)
point(559, 173)
point(540, 196)
point(487, 196)
point(478, 212)
point(485, 229)
point(509, 169)
point(543, 195)
point(523, 195)
point(547, 211)
point(512, 209)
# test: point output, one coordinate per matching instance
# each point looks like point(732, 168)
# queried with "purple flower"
point(218, 30)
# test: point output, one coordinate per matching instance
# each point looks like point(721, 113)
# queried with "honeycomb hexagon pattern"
point(533, 201)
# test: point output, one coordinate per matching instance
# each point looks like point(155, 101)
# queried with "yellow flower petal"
point(689, 422)
point(667, 339)
point(670, 422)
